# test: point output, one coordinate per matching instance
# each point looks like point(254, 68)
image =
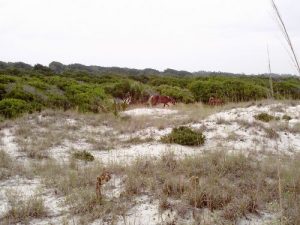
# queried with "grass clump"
point(265, 117)
point(84, 155)
point(22, 211)
point(9, 167)
point(5, 165)
point(184, 136)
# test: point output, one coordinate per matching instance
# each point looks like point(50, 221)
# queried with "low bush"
point(265, 117)
point(12, 108)
point(286, 117)
point(184, 136)
point(84, 155)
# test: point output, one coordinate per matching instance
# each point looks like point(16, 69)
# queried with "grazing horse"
point(215, 101)
point(159, 99)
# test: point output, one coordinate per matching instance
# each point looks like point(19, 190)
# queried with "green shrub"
point(179, 94)
point(265, 117)
point(18, 92)
point(6, 79)
point(2, 91)
point(83, 155)
point(11, 108)
point(286, 117)
point(184, 136)
point(232, 89)
point(121, 89)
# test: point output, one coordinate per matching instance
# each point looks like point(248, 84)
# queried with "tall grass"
point(270, 74)
point(286, 35)
point(295, 61)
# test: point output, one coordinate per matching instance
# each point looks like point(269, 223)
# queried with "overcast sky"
point(193, 35)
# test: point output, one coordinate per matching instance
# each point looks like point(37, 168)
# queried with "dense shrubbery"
point(92, 89)
point(11, 108)
point(179, 94)
point(230, 89)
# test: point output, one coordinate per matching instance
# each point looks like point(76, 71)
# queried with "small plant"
point(184, 136)
point(271, 133)
point(265, 117)
point(164, 204)
point(83, 155)
point(286, 117)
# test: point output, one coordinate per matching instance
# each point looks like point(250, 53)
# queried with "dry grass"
point(6, 165)
point(138, 140)
point(236, 184)
point(77, 183)
point(286, 127)
point(22, 211)
point(295, 128)
point(271, 133)
point(230, 185)
point(286, 35)
point(9, 167)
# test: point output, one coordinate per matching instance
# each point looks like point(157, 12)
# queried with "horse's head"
point(172, 100)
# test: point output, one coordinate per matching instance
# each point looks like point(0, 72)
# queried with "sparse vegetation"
point(271, 133)
point(22, 211)
point(296, 128)
point(9, 167)
point(229, 186)
point(184, 136)
point(236, 184)
point(5, 165)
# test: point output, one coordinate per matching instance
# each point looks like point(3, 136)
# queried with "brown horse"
point(159, 99)
point(215, 101)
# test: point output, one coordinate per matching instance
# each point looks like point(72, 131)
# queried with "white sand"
point(222, 130)
point(150, 112)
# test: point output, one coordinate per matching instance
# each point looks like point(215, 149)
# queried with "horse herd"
point(155, 100)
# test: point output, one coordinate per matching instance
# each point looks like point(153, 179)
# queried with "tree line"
point(26, 88)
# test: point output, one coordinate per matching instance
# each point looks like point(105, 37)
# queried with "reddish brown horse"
point(215, 101)
point(159, 99)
